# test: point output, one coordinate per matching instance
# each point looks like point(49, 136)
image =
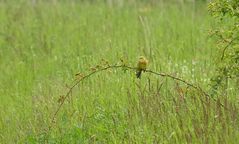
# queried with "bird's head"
point(142, 58)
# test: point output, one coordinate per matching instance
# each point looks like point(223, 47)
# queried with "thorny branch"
point(128, 68)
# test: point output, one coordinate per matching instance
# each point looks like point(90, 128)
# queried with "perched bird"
point(141, 66)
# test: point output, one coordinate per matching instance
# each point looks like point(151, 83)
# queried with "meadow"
point(44, 44)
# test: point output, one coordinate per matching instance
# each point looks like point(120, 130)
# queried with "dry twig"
point(128, 68)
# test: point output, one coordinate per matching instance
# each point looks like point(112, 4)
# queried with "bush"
point(226, 13)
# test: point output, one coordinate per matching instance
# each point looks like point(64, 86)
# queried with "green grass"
point(42, 46)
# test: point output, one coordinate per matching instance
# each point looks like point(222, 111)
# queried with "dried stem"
point(128, 68)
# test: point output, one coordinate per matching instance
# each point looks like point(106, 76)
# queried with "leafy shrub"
point(226, 13)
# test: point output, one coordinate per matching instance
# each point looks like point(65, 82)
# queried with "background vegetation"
point(226, 14)
point(44, 44)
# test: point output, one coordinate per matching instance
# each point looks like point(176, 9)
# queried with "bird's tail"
point(138, 74)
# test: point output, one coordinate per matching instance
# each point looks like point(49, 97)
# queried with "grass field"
point(43, 45)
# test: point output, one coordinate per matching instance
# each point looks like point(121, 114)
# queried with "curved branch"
point(225, 48)
point(128, 68)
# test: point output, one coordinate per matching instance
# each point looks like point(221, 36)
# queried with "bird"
point(141, 66)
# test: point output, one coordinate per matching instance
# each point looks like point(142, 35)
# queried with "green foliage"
point(226, 13)
point(43, 45)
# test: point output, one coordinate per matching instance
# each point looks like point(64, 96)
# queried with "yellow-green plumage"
point(141, 66)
